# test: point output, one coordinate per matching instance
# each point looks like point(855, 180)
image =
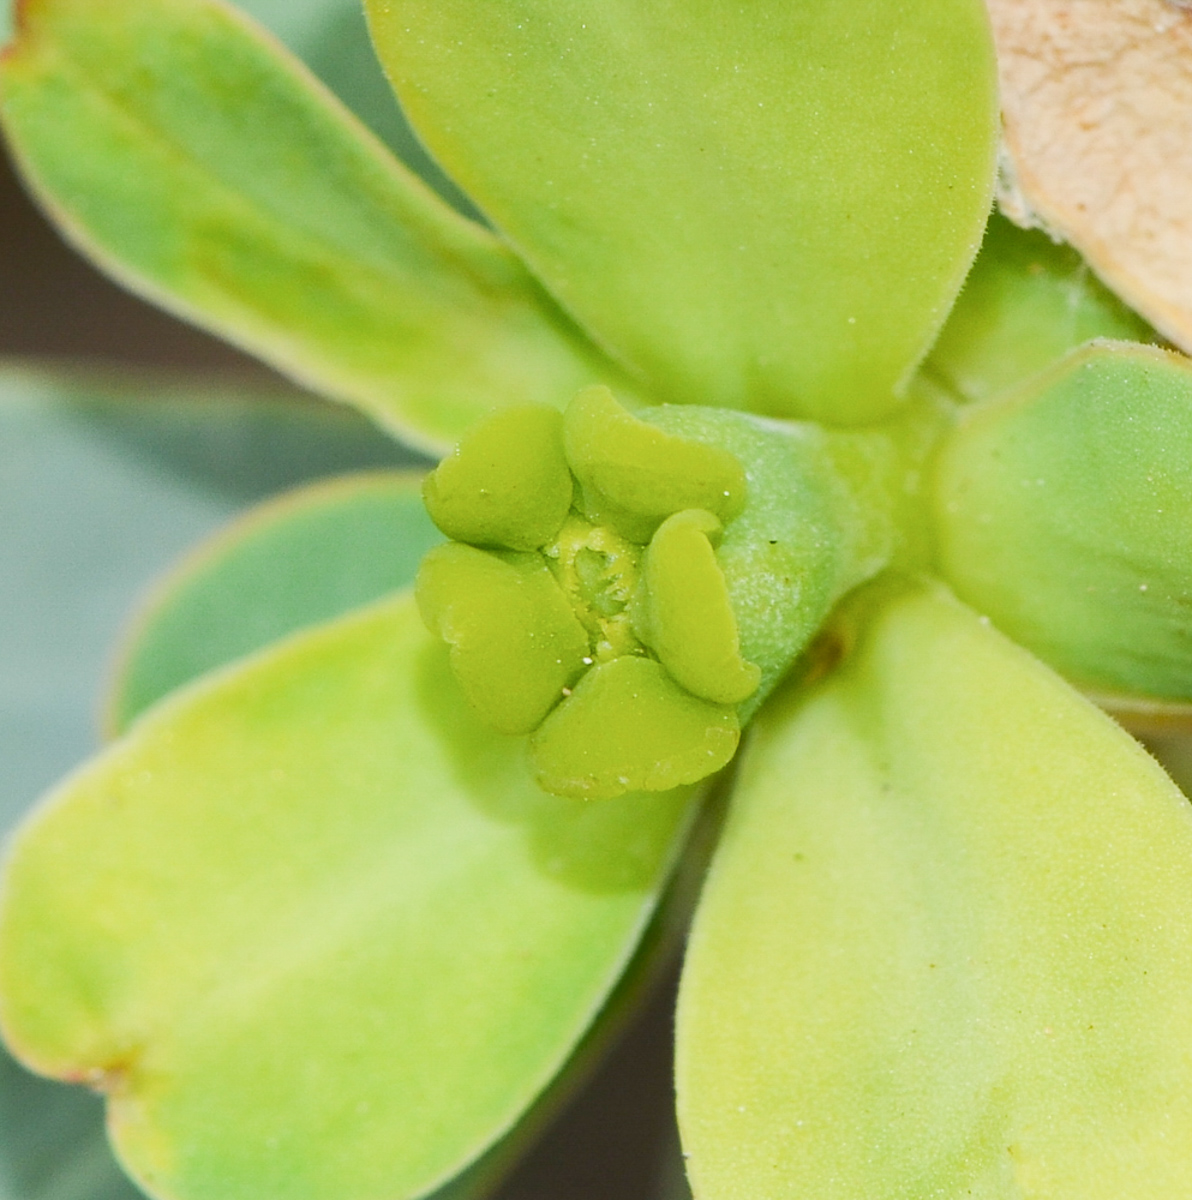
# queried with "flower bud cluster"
point(581, 596)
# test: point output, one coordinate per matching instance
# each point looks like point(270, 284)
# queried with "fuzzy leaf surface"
point(1064, 512)
point(945, 947)
point(1026, 302)
point(315, 932)
point(768, 206)
point(189, 155)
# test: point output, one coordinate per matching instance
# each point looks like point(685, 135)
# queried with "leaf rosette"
point(333, 915)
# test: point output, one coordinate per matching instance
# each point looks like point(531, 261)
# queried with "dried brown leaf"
point(1097, 113)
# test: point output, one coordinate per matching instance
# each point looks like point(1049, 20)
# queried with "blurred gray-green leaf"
point(52, 1146)
point(307, 557)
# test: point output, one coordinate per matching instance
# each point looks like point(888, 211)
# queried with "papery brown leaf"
point(1097, 112)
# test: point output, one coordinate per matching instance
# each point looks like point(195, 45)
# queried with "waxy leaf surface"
point(767, 206)
point(1026, 302)
point(200, 164)
point(1064, 512)
point(945, 947)
point(294, 562)
point(315, 932)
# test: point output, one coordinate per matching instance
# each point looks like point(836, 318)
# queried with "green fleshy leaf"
point(331, 37)
point(943, 949)
point(1026, 302)
point(768, 206)
point(1064, 512)
point(299, 560)
point(292, 921)
point(53, 1145)
point(187, 154)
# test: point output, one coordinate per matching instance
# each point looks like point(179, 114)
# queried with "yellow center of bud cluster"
point(581, 597)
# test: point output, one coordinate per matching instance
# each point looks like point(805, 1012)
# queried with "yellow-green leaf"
point(313, 930)
point(1026, 302)
point(767, 206)
point(331, 37)
point(945, 949)
point(1064, 512)
point(187, 153)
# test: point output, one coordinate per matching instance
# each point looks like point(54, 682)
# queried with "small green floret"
point(698, 553)
point(506, 483)
point(633, 475)
point(563, 505)
point(630, 727)
point(515, 643)
point(685, 615)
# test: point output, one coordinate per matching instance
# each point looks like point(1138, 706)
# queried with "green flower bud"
point(506, 483)
point(698, 553)
point(515, 643)
point(633, 475)
point(630, 727)
point(817, 522)
point(685, 615)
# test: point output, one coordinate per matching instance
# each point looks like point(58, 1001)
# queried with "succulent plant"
point(762, 535)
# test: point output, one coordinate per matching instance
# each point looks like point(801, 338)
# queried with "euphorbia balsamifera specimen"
point(645, 579)
point(313, 922)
